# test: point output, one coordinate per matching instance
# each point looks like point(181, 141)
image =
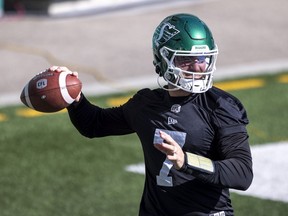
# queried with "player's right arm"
point(93, 121)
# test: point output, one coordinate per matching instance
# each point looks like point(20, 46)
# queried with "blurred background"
point(109, 41)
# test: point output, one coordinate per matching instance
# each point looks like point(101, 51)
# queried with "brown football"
point(51, 91)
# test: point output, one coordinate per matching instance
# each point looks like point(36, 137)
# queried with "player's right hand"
point(60, 69)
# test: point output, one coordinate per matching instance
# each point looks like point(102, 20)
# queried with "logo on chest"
point(176, 108)
point(172, 121)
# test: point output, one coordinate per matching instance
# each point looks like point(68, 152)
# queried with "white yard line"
point(270, 165)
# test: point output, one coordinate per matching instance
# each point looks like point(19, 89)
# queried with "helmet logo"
point(164, 33)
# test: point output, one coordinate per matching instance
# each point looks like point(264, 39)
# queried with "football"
point(51, 91)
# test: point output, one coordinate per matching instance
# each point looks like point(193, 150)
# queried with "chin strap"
point(164, 87)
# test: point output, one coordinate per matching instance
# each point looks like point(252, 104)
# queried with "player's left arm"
point(233, 170)
point(232, 167)
point(231, 163)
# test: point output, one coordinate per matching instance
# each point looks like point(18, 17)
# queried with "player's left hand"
point(172, 149)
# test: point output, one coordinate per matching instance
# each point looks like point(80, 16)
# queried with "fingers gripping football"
point(60, 69)
point(52, 90)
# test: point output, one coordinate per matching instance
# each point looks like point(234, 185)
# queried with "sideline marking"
point(3, 117)
point(283, 79)
point(240, 84)
point(225, 85)
point(30, 113)
point(117, 101)
point(270, 165)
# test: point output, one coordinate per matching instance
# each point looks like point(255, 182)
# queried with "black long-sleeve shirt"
point(210, 124)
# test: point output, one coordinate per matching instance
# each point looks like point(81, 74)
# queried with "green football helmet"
point(184, 36)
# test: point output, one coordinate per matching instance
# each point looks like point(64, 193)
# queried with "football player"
point(193, 134)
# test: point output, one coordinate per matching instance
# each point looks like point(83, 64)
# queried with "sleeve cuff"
point(76, 104)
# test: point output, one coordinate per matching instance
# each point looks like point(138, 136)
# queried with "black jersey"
point(210, 124)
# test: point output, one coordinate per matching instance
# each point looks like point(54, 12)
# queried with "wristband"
point(200, 163)
point(196, 162)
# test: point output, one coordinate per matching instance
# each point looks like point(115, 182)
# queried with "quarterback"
point(193, 135)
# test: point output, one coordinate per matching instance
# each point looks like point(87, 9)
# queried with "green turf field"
point(48, 169)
